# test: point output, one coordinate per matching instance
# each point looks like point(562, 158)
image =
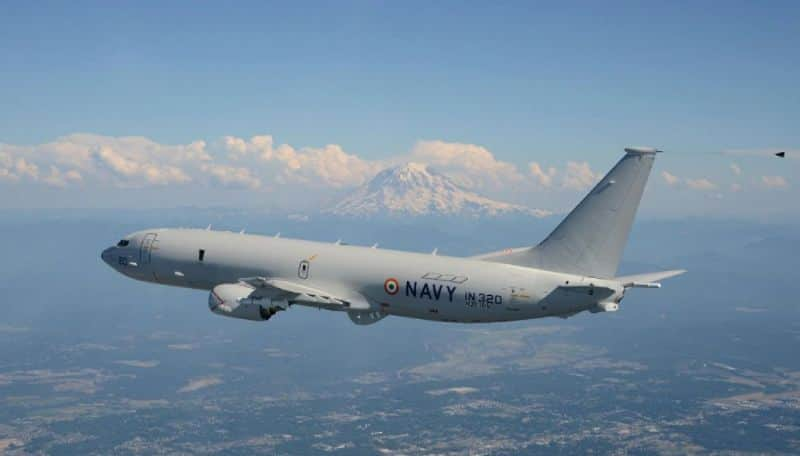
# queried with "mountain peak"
point(416, 190)
point(414, 167)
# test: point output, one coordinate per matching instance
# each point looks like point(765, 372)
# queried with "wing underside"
point(297, 293)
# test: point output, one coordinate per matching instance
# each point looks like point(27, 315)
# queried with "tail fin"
point(590, 240)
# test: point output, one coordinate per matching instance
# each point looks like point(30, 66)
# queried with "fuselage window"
point(201, 254)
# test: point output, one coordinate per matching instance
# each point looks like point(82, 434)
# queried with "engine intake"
point(236, 301)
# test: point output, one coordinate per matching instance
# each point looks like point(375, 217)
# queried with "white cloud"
point(25, 168)
point(135, 161)
point(471, 165)
point(135, 169)
point(259, 146)
point(58, 179)
point(330, 165)
point(670, 179)
point(701, 184)
point(231, 176)
point(324, 166)
point(258, 163)
point(579, 176)
point(542, 177)
point(127, 161)
point(774, 182)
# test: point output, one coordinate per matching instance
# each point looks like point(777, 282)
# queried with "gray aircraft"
point(253, 277)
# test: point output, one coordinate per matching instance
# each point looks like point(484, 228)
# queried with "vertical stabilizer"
point(591, 239)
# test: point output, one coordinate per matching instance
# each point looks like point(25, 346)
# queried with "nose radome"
point(106, 256)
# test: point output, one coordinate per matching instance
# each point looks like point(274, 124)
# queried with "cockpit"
point(131, 254)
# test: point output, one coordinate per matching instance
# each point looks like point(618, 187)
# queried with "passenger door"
point(146, 247)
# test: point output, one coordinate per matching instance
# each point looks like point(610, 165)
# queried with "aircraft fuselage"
point(416, 285)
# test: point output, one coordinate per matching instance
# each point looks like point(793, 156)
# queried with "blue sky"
point(529, 82)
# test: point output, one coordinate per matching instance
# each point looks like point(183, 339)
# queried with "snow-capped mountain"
point(415, 190)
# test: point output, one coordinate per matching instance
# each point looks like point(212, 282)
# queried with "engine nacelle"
point(235, 301)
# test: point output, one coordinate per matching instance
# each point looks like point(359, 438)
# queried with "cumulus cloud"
point(58, 179)
point(231, 176)
point(131, 169)
point(701, 184)
point(135, 161)
point(670, 179)
point(25, 168)
point(470, 164)
point(542, 177)
point(579, 176)
point(122, 161)
point(258, 146)
point(256, 163)
point(331, 164)
point(324, 166)
point(774, 182)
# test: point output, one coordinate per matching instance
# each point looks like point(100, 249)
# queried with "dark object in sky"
point(780, 154)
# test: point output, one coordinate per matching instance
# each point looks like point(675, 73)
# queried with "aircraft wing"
point(294, 292)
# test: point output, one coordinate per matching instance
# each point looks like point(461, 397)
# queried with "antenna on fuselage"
point(435, 251)
point(374, 246)
point(338, 242)
point(241, 232)
point(208, 228)
point(277, 235)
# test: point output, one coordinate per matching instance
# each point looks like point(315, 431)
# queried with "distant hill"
point(415, 190)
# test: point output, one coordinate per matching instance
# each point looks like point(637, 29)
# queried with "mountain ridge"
point(413, 189)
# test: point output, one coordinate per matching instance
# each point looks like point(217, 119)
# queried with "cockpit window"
point(123, 243)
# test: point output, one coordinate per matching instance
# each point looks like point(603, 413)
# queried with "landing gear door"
point(146, 247)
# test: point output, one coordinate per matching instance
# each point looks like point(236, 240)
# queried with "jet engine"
point(237, 301)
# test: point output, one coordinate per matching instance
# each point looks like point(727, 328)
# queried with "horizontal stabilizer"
point(649, 279)
point(598, 292)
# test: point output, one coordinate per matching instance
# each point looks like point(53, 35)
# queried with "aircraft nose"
point(107, 256)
